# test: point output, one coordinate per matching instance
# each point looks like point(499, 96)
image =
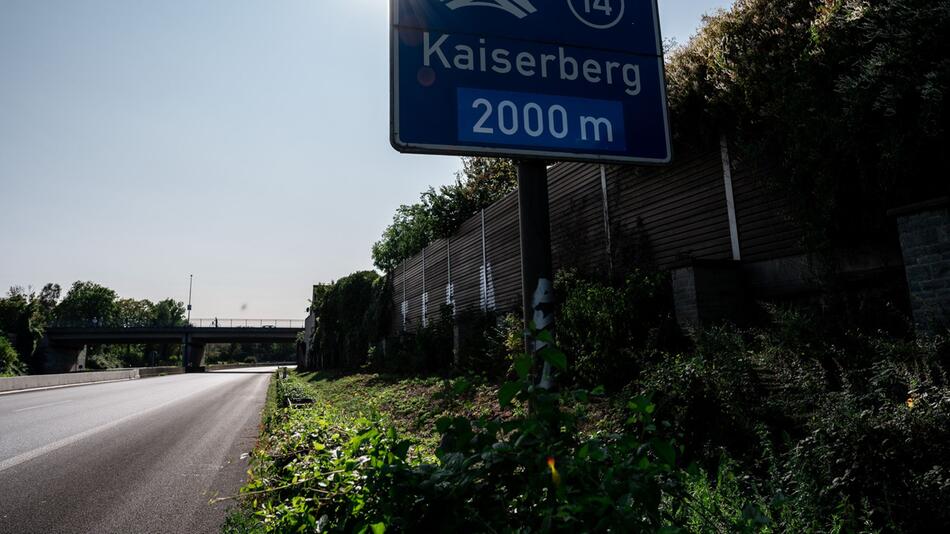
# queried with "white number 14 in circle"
point(598, 5)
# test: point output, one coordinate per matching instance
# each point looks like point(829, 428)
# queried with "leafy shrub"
point(293, 392)
point(537, 472)
point(471, 342)
point(866, 451)
point(10, 364)
point(103, 361)
point(487, 342)
point(611, 331)
point(878, 451)
point(428, 349)
point(711, 397)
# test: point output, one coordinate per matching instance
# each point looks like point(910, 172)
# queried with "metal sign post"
point(537, 275)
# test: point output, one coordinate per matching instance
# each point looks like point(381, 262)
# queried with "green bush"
point(428, 349)
point(103, 361)
point(293, 392)
point(864, 448)
point(485, 344)
point(612, 331)
point(10, 364)
point(886, 464)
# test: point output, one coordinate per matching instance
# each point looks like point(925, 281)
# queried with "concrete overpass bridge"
point(66, 344)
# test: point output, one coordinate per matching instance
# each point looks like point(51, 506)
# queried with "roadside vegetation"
point(9, 359)
point(790, 425)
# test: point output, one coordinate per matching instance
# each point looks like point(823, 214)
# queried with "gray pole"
point(186, 353)
point(536, 272)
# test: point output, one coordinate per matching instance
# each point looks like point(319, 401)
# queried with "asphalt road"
point(140, 456)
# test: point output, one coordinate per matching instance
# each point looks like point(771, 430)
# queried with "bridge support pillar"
point(62, 358)
point(194, 356)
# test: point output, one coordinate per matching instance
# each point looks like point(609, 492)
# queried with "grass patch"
point(410, 404)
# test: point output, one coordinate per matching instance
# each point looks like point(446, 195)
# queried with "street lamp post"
point(187, 348)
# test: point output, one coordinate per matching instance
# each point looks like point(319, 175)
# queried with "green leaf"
point(402, 449)
point(584, 452)
point(555, 357)
point(545, 336)
point(460, 386)
point(523, 366)
point(443, 424)
point(507, 393)
point(378, 528)
point(664, 451)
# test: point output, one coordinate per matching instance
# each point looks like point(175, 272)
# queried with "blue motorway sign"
point(556, 79)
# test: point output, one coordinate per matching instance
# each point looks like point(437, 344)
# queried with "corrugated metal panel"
point(503, 249)
point(398, 276)
point(414, 291)
point(765, 230)
point(578, 234)
point(466, 261)
point(436, 277)
point(672, 213)
point(658, 215)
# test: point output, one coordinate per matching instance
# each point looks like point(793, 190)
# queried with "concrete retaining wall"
point(151, 372)
point(925, 242)
point(226, 366)
point(42, 381)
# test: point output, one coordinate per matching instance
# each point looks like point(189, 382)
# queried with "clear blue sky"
point(243, 141)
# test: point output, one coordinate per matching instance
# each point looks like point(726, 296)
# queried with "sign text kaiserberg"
point(558, 79)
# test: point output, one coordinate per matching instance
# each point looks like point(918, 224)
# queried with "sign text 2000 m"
point(558, 79)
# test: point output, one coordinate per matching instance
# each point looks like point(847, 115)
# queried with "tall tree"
point(440, 212)
point(168, 312)
point(134, 313)
point(87, 303)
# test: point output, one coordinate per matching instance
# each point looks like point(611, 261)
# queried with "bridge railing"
point(115, 323)
point(195, 323)
point(247, 323)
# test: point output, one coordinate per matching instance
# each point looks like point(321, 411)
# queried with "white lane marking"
point(46, 449)
point(41, 406)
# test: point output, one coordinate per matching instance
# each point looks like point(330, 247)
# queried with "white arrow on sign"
point(518, 8)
